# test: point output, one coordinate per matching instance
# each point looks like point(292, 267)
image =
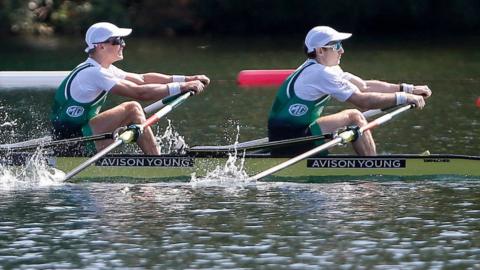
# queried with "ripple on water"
point(454, 234)
point(210, 211)
point(74, 233)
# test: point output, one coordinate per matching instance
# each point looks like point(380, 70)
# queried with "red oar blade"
point(263, 78)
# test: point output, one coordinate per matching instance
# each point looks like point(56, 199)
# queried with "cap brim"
point(122, 32)
point(341, 36)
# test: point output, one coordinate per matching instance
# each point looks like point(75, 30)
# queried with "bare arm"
point(154, 77)
point(373, 85)
point(386, 87)
point(372, 100)
point(151, 91)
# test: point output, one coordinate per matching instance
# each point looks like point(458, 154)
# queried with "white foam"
point(9, 124)
point(171, 141)
point(35, 173)
point(231, 175)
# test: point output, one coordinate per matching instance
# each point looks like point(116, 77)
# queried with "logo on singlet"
point(298, 109)
point(75, 111)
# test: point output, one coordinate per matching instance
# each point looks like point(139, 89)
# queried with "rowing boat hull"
point(164, 168)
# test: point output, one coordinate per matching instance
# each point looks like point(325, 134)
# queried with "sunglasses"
point(337, 46)
point(115, 41)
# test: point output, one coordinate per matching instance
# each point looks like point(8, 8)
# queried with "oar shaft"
point(159, 104)
point(374, 112)
point(297, 159)
point(385, 118)
point(344, 137)
point(166, 109)
point(93, 159)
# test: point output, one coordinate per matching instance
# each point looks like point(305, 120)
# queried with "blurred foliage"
point(248, 17)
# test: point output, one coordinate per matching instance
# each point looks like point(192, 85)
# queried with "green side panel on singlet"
point(66, 110)
point(292, 111)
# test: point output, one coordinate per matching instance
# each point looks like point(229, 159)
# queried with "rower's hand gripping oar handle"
point(164, 101)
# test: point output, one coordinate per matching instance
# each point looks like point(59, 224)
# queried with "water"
point(224, 222)
point(449, 123)
point(365, 225)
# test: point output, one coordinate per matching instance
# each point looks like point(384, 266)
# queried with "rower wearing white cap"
point(79, 98)
point(297, 109)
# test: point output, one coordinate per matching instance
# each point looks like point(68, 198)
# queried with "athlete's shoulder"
point(318, 73)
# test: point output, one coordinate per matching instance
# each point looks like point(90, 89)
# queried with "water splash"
point(231, 175)
point(34, 173)
point(171, 142)
point(8, 124)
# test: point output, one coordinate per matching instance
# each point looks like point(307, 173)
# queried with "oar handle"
point(374, 112)
point(160, 104)
point(166, 109)
point(385, 118)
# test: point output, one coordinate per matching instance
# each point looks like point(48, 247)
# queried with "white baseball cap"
point(102, 31)
point(322, 35)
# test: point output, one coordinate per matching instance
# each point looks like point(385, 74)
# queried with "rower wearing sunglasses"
point(79, 98)
point(301, 99)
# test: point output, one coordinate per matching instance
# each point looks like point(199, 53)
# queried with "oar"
point(344, 137)
point(131, 134)
point(263, 77)
point(160, 104)
point(265, 144)
point(48, 142)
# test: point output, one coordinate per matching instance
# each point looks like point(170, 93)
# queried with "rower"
point(301, 99)
point(81, 95)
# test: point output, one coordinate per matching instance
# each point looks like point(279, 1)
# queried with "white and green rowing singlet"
point(305, 93)
point(81, 95)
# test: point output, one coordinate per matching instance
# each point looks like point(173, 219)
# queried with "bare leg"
point(364, 145)
point(124, 114)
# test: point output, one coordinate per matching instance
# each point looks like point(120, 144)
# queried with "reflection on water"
point(403, 225)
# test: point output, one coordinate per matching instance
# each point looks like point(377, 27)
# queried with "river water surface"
point(372, 223)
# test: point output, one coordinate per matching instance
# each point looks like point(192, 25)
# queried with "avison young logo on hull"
point(131, 161)
point(347, 163)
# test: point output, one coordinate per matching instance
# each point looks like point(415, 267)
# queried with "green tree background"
point(241, 17)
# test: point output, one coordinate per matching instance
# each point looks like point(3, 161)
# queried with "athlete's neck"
point(101, 60)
